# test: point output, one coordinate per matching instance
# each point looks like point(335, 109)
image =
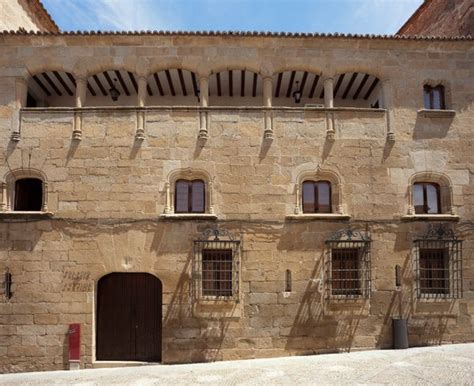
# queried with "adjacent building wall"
point(26, 14)
point(441, 18)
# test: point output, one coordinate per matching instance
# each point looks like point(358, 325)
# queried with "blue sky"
point(347, 16)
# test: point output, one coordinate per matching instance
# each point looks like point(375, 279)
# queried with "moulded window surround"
point(24, 192)
point(430, 197)
point(189, 195)
point(318, 196)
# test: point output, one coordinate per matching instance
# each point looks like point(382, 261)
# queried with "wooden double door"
point(129, 317)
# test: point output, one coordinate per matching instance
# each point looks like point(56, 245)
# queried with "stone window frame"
point(8, 190)
point(189, 174)
point(447, 210)
point(447, 110)
point(336, 186)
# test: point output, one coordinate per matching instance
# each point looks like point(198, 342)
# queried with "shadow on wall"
point(428, 128)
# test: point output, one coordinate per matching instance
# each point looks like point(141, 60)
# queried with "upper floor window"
point(434, 98)
point(190, 196)
point(24, 190)
point(426, 198)
point(316, 197)
point(28, 195)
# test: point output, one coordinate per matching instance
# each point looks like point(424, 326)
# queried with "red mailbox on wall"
point(74, 346)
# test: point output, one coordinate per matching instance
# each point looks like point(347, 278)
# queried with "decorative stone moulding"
point(330, 135)
point(391, 137)
point(203, 134)
point(140, 135)
point(77, 130)
point(15, 136)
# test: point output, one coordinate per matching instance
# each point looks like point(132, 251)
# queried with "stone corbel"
point(330, 132)
point(140, 133)
point(77, 129)
point(268, 132)
point(203, 127)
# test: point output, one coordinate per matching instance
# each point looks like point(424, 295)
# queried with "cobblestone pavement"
point(451, 364)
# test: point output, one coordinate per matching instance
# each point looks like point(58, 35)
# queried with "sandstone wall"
point(107, 193)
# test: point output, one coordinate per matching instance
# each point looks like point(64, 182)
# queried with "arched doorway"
point(129, 317)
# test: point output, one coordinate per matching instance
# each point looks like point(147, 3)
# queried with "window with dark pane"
point(190, 196)
point(316, 197)
point(433, 97)
point(28, 195)
point(426, 198)
point(345, 271)
point(217, 272)
point(434, 271)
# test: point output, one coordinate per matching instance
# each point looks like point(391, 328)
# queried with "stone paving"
point(451, 364)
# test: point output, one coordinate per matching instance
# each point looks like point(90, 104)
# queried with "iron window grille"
point(216, 265)
point(348, 269)
point(438, 264)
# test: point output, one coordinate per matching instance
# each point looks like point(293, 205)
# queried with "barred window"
point(216, 265)
point(433, 97)
point(348, 265)
point(438, 264)
point(345, 271)
point(217, 272)
point(190, 196)
point(316, 197)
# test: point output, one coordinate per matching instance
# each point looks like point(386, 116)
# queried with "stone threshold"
point(25, 215)
point(317, 216)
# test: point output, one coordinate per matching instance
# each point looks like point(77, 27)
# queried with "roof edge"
point(237, 34)
point(39, 8)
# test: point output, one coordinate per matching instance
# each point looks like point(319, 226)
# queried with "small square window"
point(434, 98)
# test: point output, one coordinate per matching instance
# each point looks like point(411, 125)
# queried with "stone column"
point(3, 203)
point(298, 192)
point(387, 104)
point(203, 115)
point(329, 92)
point(329, 104)
point(267, 103)
point(168, 199)
point(45, 197)
point(21, 86)
point(141, 102)
point(80, 99)
point(211, 201)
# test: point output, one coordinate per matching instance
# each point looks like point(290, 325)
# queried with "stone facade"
point(441, 18)
point(107, 194)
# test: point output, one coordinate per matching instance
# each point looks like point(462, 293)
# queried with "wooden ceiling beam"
point(63, 83)
point(361, 86)
point(42, 86)
point(313, 87)
point(371, 88)
point(349, 85)
point(278, 86)
point(290, 84)
point(122, 82)
point(181, 80)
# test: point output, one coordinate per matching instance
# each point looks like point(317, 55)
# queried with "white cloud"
point(111, 14)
